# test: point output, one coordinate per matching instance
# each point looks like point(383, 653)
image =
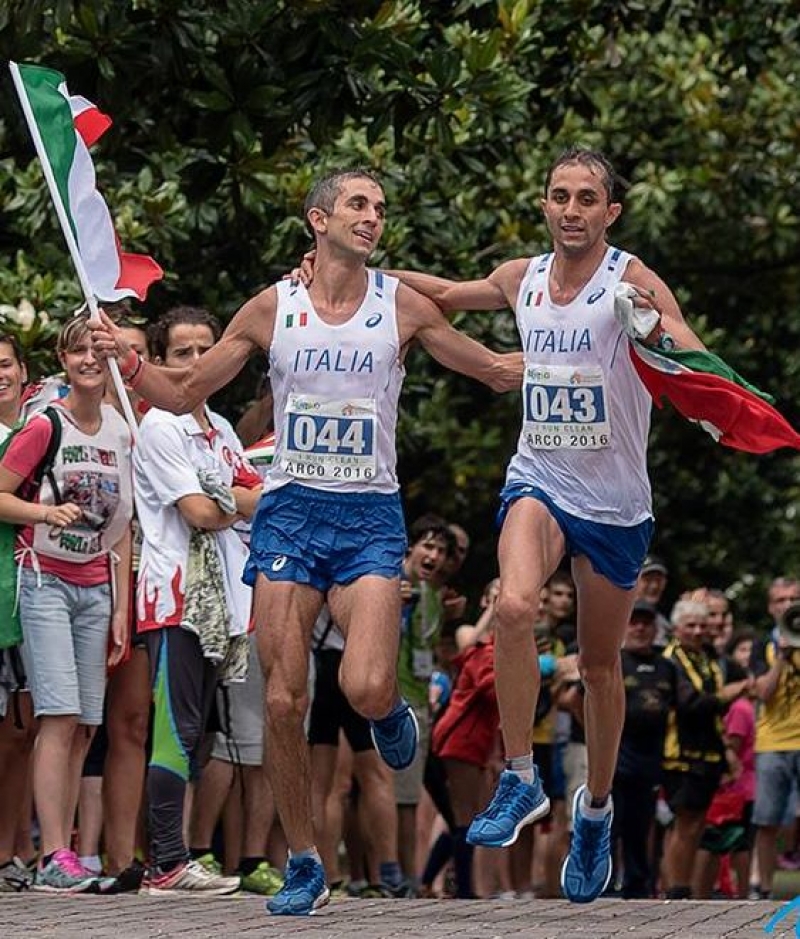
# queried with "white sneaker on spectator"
point(15, 877)
point(189, 878)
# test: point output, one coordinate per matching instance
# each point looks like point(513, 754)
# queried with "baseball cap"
point(654, 565)
point(644, 609)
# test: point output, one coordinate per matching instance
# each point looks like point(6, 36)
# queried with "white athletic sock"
point(594, 812)
point(311, 852)
point(91, 862)
point(522, 766)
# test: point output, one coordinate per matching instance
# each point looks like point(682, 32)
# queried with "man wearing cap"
point(777, 668)
point(649, 695)
point(650, 586)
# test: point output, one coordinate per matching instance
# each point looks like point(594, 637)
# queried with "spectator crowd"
point(131, 698)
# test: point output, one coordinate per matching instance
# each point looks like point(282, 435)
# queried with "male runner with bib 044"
point(330, 522)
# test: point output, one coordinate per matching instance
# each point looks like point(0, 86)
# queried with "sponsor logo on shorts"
point(793, 906)
point(279, 563)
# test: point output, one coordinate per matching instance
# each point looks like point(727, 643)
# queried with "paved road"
point(133, 917)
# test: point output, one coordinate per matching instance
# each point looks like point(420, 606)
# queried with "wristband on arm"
point(131, 366)
point(664, 341)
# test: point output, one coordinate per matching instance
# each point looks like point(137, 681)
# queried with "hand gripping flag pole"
point(63, 127)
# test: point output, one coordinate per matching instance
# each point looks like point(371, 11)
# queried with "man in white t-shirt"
point(173, 457)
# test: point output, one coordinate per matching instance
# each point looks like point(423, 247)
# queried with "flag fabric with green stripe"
point(68, 125)
point(262, 452)
point(704, 388)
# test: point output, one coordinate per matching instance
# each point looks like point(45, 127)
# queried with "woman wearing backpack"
point(74, 554)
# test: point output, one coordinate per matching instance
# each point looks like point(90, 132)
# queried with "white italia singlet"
point(586, 414)
point(336, 391)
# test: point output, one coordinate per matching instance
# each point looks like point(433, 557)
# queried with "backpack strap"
point(45, 468)
point(14, 658)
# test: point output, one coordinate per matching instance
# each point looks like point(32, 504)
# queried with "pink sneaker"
point(64, 872)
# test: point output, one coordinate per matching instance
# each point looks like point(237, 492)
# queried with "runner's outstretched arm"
point(421, 319)
point(180, 390)
point(495, 292)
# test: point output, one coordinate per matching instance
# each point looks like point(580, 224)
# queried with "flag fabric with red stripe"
point(68, 125)
point(262, 453)
point(704, 388)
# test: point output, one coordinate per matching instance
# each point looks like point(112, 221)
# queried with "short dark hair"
point(595, 160)
point(434, 526)
point(158, 332)
point(743, 634)
point(325, 191)
point(562, 578)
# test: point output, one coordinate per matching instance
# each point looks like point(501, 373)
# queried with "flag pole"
point(72, 244)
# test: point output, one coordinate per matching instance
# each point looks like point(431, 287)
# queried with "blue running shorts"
point(312, 536)
point(616, 552)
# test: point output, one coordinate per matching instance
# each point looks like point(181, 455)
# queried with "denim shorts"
point(320, 538)
point(777, 777)
point(65, 645)
point(616, 552)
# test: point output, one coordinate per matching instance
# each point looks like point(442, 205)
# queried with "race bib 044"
point(565, 408)
point(329, 440)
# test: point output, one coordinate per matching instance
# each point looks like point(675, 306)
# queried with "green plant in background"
point(224, 114)
point(33, 306)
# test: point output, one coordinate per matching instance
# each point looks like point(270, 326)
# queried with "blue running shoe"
point(587, 869)
point(396, 736)
point(304, 889)
point(514, 804)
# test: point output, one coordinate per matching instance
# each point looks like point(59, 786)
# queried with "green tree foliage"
point(224, 114)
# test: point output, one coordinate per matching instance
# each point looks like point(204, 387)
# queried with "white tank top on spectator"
point(336, 390)
point(586, 415)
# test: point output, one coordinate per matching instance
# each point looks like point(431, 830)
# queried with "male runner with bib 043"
point(577, 485)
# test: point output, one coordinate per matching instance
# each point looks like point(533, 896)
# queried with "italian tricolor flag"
point(63, 127)
point(704, 388)
point(262, 452)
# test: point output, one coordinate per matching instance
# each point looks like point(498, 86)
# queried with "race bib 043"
point(329, 440)
point(565, 408)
